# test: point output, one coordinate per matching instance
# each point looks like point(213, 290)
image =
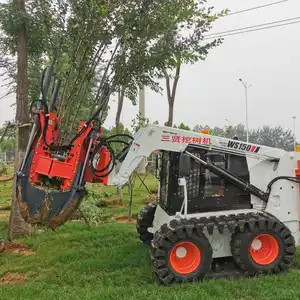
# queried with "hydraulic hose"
point(289, 178)
point(106, 142)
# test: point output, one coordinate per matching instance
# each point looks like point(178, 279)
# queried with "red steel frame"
point(44, 164)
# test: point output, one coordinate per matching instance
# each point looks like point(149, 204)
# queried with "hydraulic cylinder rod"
point(224, 174)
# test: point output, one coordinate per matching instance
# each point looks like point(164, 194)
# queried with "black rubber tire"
point(163, 242)
point(241, 242)
point(144, 221)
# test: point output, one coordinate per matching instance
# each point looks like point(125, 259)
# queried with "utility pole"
point(142, 167)
point(246, 86)
point(294, 132)
point(142, 106)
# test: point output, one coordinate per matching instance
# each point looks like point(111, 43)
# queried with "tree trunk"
point(171, 113)
point(17, 226)
point(171, 92)
point(130, 201)
point(142, 119)
point(121, 96)
point(121, 196)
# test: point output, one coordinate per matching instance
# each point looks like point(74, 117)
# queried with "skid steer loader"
point(224, 207)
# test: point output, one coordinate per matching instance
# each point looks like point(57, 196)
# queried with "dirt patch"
point(2, 246)
point(6, 178)
point(16, 248)
point(12, 278)
point(125, 220)
point(5, 206)
point(112, 202)
point(4, 215)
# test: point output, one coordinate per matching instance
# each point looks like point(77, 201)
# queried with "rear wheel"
point(179, 253)
point(268, 247)
point(264, 249)
point(144, 221)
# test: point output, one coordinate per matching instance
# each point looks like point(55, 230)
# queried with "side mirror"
point(184, 165)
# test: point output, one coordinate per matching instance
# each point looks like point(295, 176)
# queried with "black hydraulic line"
point(289, 178)
point(46, 79)
point(225, 174)
point(54, 96)
point(106, 142)
point(110, 164)
point(46, 116)
point(97, 125)
point(121, 156)
point(45, 82)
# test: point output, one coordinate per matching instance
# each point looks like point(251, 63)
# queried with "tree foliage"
point(184, 127)
point(184, 43)
point(129, 44)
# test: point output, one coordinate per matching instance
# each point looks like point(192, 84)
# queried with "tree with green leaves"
point(81, 39)
point(91, 43)
point(276, 137)
point(184, 42)
point(184, 127)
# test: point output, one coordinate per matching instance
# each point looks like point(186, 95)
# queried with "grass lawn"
point(109, 262)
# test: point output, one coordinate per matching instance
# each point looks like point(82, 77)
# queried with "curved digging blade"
point(48, 208)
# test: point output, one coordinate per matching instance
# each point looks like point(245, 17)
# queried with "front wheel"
point(180, 253)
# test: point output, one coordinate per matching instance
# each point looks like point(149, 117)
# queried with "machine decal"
point(243, 146)
point(165, 138)
point(185, 139)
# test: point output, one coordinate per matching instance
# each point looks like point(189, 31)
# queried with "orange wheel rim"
point(264, 249)
point(185, 257)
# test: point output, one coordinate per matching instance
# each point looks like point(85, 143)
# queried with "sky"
point(210, 93)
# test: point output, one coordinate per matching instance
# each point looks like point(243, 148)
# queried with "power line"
point(255, 8)
point(251, 27)
point(251, 30)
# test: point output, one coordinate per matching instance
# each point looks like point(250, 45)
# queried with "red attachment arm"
point(65, 171)
point(102, 163)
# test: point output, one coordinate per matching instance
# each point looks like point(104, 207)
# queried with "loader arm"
point(153, 137)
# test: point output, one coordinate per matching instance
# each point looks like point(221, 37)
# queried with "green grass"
point(5, 188)
point(6, 192)
point(109, 262)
